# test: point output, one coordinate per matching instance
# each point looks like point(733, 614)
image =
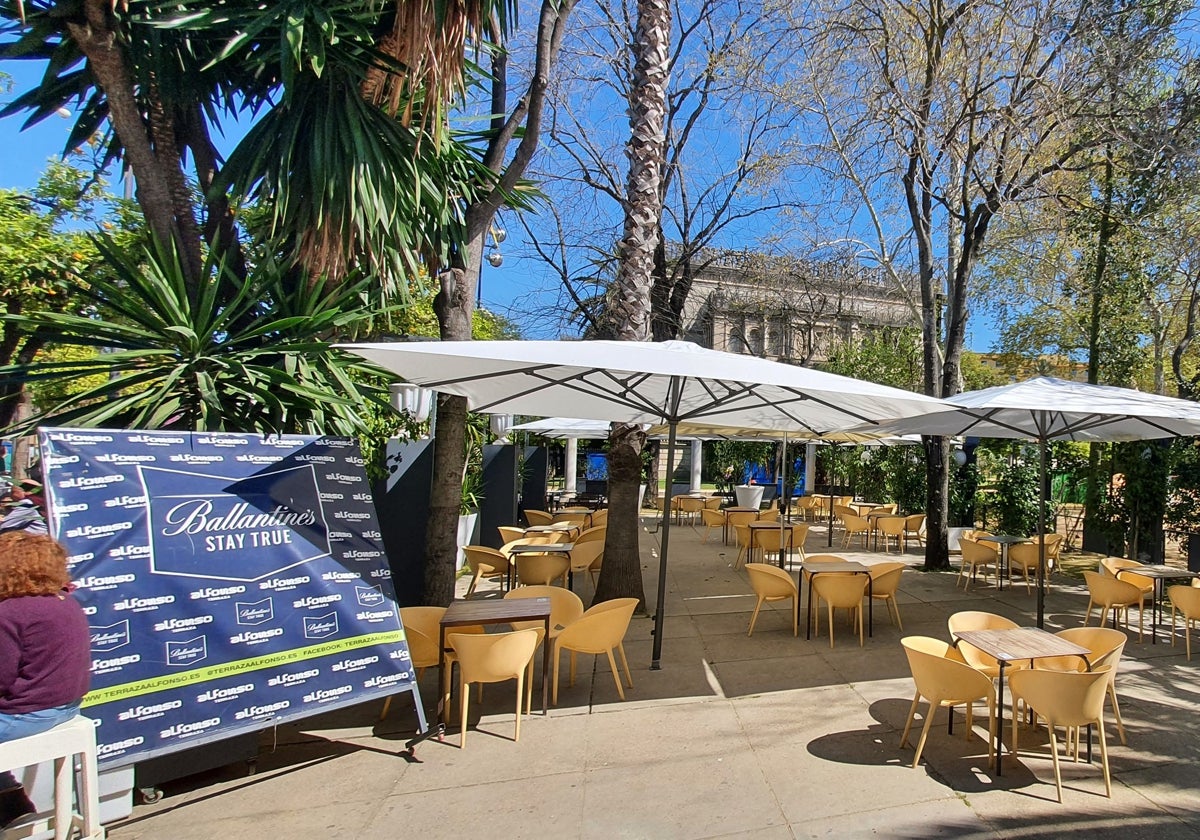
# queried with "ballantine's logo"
point(354, 664)
point(95, 532)
point(342, 478)
point(176, 625)
point(262, 711)
point(126, 459)
point(256, 612)
point(368, 596)
point(157, 440)
point(340, 577)
point(188, 458)
point(279, 584)
point(183, 730)
point(109, 636)
point(143, 604)
point(195, 517)
point(149, 712)
point(98, 582)
point(118, 747)
point(123, 551)
point(310, 601)
point(254, 637)
point(320, 626)
point(74, 437)
point(322, 695)
point(187, 651)
point(294, 678)
point(220, 695)
point(125, 501)
point(85, 483)
point(210, 593)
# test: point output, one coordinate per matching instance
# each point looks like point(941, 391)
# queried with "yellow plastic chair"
point(1113, 596)
point(494, 657)
point(855, 524)
point(1117, 567)
point(542, 569)
point(601, 629)
point(689, 507)
point(585, 555)
point(945, 682)
point(580, 519)
point(891, 527)
point(508, 533)
point(793, 538)
point(977, 620)
point(841, 592)
point(771, 514)
point(712, 520)
point(599, 517)
point(913, 526)
point(1185, 599)
point(1106, 647)
point(565, 607)
point(976, 557)
point(484, 562)
point(1023, 558)
point(770, 583)
point(1054, 545)
point(422, 628)
point(596, 533)
point(714, 502)
point(539, 517)
point(743, 536)
point(1063, 698)
point(885, 580)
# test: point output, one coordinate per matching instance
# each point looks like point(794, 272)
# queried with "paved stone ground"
point(770, 736)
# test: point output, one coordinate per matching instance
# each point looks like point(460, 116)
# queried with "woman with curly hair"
point(45, 661)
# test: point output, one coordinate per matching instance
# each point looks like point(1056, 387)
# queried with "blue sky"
point(505, 289)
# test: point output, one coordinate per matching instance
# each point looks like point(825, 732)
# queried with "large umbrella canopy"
point(642, 382)
point(1046, 409)
point(566, 428)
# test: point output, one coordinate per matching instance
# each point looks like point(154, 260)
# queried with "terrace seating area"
point(787, 724)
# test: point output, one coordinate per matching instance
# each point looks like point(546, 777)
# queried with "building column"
point(569, 465)
point(810, 468)
point(697, 463)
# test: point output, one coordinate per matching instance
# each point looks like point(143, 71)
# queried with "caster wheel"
point(150, 795)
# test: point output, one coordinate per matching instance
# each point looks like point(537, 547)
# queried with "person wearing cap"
point(21, 513)
point(33, 492)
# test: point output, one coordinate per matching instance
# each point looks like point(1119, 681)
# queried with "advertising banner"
point(231, 582)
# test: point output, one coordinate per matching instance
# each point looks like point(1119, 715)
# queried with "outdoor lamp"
point(959, 457)
point(412, 399)
point(495, 259)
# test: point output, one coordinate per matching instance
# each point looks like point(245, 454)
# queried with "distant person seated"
point(45, 661)
point(21, 512)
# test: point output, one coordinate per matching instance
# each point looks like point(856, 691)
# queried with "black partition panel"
point(499, 504)
point(402, 504)
point(533, 477)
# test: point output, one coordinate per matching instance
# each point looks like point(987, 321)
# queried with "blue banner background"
point(230, 582)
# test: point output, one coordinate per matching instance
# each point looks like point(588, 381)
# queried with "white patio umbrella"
point(566, 428)
point(1046, 409)
point(643, 382)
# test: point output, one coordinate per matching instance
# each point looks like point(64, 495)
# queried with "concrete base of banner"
point(116, 795)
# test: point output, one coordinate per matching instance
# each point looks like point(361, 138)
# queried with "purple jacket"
point(45, 660)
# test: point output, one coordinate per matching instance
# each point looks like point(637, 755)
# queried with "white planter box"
point(466, 532)
point(749, 495)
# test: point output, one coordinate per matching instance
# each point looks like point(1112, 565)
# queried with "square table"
point(843, 567)
point(1159, 573)
point(492, 611)
point(1017, 644)
point(1004, 541)
point(755, 527)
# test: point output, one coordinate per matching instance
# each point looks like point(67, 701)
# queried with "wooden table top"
point(557, 526)
point(493, 611)
point(1018, 643)
point(1160, 571)
point(541, 548)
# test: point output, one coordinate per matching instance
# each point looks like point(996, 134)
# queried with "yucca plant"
point(244, 356)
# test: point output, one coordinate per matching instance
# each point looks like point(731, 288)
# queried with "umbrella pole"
point(661, 598)
point(1041, 572)
point(784, 500)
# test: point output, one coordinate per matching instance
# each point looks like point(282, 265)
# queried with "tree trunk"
point(937, 471)
point(620, 579)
